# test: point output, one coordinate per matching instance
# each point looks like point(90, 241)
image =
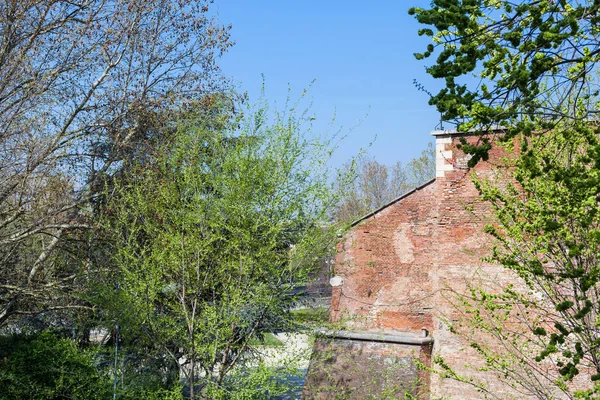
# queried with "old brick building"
point(394, 270)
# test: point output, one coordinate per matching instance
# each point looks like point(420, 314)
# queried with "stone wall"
point(344, 368)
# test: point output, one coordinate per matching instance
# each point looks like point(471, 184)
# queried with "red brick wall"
point(385, 263)
point(400, 265)
point(402, 268)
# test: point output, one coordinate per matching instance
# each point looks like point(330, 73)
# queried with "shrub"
point(45, 366)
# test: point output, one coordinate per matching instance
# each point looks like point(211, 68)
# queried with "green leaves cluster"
point(505, 62)
point(212, 240)
point(46, 367)
point(547, 221)
point(530, 67)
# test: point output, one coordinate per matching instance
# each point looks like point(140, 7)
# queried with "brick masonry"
point(354, 369)
point(399, 265)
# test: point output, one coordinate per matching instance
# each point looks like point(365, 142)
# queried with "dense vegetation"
point(531, 67)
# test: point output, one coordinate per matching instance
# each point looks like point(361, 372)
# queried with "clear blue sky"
point(361, 55)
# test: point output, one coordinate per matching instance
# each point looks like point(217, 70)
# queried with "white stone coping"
point(382, 337)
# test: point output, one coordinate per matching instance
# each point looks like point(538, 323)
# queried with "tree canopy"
point(80, 82)
point(511, 62)
point(211, 241)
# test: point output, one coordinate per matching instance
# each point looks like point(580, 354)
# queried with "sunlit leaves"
point(547, 231)
point(529, 55)
point(212, 239)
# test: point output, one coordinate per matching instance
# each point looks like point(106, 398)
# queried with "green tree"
point(512, 63)
point(211, 241)
point(46, 366)
point(421, 169)
point(539, 334)
point(531, 67)
point(79, 82)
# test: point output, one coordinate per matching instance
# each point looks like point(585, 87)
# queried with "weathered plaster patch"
point(402, 243)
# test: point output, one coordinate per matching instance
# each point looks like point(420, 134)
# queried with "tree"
point(512, 63)
point(422, 168)
point(210, 243)
point(539, 334)
point(536, 64)
point(78, 83)
point(375, 185)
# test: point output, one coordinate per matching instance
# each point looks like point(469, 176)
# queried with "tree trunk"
point(192, 376)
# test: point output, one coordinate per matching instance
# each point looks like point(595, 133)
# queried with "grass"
point(312, 316)
point(269, 340)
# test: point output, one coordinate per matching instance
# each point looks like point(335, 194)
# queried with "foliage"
point(375, 185)
point(512, 63)
point(531, 67)
point(255, 383)
point(45, 367)
point(318, 316)
point(422, 168)
point(539, 334)
point(268, 339)
point(211, 241)
point(81, 84)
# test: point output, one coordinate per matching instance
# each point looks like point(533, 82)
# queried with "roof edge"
point(397, 199)
point(453, 132)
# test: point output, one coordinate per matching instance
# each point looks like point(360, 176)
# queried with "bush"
point(45, 366)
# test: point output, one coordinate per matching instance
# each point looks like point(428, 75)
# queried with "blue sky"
point(359, 53)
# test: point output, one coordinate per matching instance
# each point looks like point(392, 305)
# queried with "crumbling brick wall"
point(401, 263)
